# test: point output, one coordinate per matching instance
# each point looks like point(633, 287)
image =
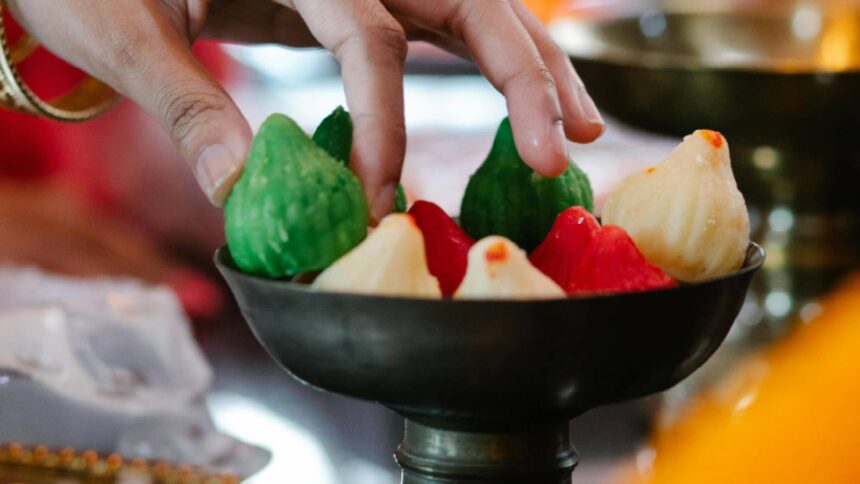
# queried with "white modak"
point(498, 269)
point(390, 262)
point(686, 214)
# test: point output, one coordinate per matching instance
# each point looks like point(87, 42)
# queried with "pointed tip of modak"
point(498, 269)
point(705, 147)
point(714, 138)
point(280, 122)
point(709, 139)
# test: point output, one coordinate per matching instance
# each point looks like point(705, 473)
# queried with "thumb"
point(209, 130)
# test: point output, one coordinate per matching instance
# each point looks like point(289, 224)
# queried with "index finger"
point(506, 54)
point(371, 48)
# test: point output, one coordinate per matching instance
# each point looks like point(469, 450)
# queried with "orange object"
point(714, 137)
point(545, 10)
point(497, 253)
point(791, 415)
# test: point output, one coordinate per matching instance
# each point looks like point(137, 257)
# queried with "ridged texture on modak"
point(686, 214)
point(295, 208)
point(506, 197)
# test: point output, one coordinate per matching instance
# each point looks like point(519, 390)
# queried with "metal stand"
point(541, 455)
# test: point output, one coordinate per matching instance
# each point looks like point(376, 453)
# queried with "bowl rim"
point(644, 59)
point(754, 260)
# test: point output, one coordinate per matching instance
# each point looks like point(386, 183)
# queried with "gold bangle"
point(87, 100)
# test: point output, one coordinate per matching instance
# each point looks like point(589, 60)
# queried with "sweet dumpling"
point(498, 269)
point(390, 261)
point(686, 214)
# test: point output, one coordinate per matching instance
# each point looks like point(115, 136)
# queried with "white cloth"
point(107, 364)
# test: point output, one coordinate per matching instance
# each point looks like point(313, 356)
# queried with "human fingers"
point(142, 49)
point(582, 120)
point(506, 54)
point(257, 21)
point(371, 48)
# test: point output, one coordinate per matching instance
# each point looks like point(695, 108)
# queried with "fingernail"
point(217, 170)
point(589, 110)
point(382, 203)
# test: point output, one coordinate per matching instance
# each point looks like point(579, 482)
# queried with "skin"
point(142, 49)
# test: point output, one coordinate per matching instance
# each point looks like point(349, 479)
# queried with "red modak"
point(560, 253)
point(445, 243)
point(584, 258)
point(611, 263)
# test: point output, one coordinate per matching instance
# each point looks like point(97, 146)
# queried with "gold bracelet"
point(87, 100)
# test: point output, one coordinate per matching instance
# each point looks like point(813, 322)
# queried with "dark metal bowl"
point(488, 387)
point(490, 363)
point(781, 80)
point(786, 76)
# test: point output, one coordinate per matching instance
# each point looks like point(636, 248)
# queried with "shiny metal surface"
point(543, 455)
point(490, 367)
point(786, 76)
point(783, 84)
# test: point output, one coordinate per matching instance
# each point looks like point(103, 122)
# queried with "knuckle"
point(537, 77)
point(555, 55)
point(183, 110)
point(389, 36)
point(455, 21)
point(466, 13)
point(385, 36)
point(124, 49)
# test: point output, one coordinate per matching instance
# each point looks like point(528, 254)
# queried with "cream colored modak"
point(498, 269)
point(686, 214)
point(390, 262)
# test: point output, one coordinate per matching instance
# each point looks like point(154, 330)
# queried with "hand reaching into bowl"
point(141, 48)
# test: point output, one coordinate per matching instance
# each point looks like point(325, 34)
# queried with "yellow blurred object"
point(790, 415)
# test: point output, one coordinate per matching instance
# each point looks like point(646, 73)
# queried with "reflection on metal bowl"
point(488, 387)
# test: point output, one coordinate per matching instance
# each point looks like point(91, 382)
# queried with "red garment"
point(34, 147)
point(119, 163)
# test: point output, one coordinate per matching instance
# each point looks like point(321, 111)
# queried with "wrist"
point(87, 100)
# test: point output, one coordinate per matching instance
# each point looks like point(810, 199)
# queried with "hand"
point(142, 49)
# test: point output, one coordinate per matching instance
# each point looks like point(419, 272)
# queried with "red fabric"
point(35, 148)
point(117, 163)
point(29, 143)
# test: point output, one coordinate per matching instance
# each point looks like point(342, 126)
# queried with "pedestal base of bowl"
point(538, 455)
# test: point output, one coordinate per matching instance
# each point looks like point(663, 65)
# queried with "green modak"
point(505, 197)
point(334, 134)
point(295, 208)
